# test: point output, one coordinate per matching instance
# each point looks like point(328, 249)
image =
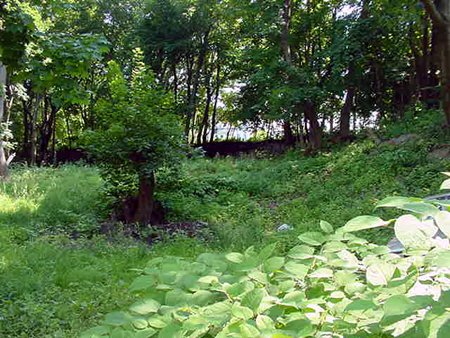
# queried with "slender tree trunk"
point(145, 199)
point(33, 147)
point(286, 51)
point(196, 82)
point(3, 163)
point(344, 123)
point(216, 101)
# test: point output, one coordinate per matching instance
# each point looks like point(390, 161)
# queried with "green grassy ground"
point(54, 286)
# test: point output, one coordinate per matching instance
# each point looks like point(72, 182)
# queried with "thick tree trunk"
point(288, 134)
point(3, 163)
point(315, 131)
point(145, 199)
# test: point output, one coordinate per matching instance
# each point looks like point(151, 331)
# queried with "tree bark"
point(216, 101)
point(145, 199)
point(3, 163)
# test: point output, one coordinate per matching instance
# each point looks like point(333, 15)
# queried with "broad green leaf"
point(422, 208)
point(361, 305)
point(117, 318)
point(398, 305)
point(273, 264)
point(363, 223)
point(442, 259)
point(409, 233)
point(396, 202)
point(249, 331)
point(235, 257)
point(313, 238)
point(140, 324)
point(157, 323)
point(443, 222)
point(241, 312)
point(264, 323)
point(143, 283)
point(267, 252)
point(326, 227)
point(380, 273)
point(301, 252)
point(321, 273)
point(145, 306)
point(297, 269)
point(445, 185)
point(253, 299)
point(301, 328)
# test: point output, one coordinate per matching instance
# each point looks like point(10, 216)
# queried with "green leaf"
point(313, 238)
point(301, 252)
point(273, 264)
point(326, 227)
point(297, 269)
point(445, 185)
point(253, 299)
point(396, 202)
point(241, 312)
point(235, 257)
point(363, 223)
point(142, 283)
point(398, 305)
point(360, 305)
point(409, 233)
point(443, 222)
point(422, 208)
point(264, 323)
point(145, 306)
point(380, 273)
point(322, 273)
point(249, 331)
point(117, 318)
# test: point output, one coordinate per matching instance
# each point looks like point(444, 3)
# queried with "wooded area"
point(313, 67)
point(233, 159)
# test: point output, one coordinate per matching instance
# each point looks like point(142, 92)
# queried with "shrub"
point(332, 283)
point(137, 134)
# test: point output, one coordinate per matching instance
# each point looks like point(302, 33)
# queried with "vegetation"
point(334, 116)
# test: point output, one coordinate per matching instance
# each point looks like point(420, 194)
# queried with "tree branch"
point(434, 13)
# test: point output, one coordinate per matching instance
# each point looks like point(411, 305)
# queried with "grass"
point(54, 286)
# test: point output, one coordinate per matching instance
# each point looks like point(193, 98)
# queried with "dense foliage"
point(332, 283)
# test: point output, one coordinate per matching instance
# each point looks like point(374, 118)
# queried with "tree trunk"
point(288, 134)
point(216, 101)
point(3, 163)
point(439, 11)
point(315, 131)
point(145, 199)
point(33, 147)
point(344, 123)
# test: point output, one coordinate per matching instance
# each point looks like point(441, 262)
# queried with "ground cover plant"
point(49, 277)
point(332, 283)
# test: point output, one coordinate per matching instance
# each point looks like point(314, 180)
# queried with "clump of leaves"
point(332, 283)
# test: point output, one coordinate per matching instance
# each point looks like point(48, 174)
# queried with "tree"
point(17, 25)
point(439, 11)
point(137, 134)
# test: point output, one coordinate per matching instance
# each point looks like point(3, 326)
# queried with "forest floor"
point(53, 285)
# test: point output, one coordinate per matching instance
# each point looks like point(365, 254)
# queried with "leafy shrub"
point(332, 283)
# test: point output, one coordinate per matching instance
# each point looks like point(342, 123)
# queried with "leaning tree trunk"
point(145, 199)
point(344, 122)
point(3, 163)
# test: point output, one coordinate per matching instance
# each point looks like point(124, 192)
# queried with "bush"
point(332, 283)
